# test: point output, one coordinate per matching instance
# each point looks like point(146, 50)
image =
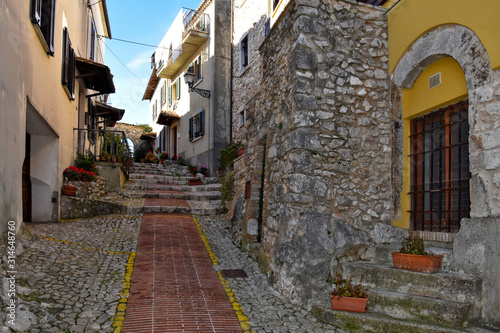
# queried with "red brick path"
point(174, 285)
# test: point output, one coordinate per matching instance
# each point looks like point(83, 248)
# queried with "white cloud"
point(141, 60)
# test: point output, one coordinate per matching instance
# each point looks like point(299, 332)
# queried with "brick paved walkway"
point(174, 285)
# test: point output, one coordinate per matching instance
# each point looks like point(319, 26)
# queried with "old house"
point(53, 80)
point(189, 87)
point(363, 119)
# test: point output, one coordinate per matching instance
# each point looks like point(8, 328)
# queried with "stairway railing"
point(105, 145)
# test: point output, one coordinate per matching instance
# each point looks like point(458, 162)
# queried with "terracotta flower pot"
point(417, 263)
point(352, 304)
point(241, 151)
point(69, 190)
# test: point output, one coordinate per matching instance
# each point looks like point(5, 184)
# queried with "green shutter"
point(170, 95)
point(178, 89)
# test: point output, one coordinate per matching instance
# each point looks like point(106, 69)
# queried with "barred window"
point(440, 169)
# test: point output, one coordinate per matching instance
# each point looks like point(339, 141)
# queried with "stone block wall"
point(89, 190)
point(323, 123)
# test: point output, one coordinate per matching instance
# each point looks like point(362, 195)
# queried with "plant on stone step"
point(346, 288)
point(414, 244)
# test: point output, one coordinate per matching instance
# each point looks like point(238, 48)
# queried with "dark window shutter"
point(72, 73)
point(48, 22)
point(36, 12)
point(191, 134)
point(66, 56)
point(92, 40)
point(202, 123)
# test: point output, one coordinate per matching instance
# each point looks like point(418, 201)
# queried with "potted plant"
point(195, 181)
point(412, 256)
point(69, 190)
point(348, 296)
point(163, 157)
point(203, 170)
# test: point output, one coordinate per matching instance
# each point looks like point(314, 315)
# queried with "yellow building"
point(52, 78)
point(444, 58)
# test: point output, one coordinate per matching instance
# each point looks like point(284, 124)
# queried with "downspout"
point(231, 77)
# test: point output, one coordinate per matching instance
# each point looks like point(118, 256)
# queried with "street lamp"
point(189, 79)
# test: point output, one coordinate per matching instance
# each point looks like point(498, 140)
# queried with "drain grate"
point(234, 273)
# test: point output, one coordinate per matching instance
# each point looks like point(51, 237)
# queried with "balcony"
point(194, 34)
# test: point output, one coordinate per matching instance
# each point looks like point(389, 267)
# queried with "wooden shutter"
point(66, 56)
point(191, 134)
point(72, 73)
point(92, 40)
point(48, 22)
point(36, 12)
point(170, 95)
point(178, 88)
point(201, 130)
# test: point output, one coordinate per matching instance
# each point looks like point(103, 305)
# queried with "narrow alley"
point(151, 272)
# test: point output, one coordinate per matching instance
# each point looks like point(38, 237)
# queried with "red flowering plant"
point(164, 156)
point(74, 173)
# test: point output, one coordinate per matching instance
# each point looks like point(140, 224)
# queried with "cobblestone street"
point(73, 276)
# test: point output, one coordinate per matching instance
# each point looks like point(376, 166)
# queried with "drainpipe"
point(231, 77)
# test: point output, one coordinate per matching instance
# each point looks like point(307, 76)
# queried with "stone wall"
point(134, 133)
point(323, 123)
point(89, 190)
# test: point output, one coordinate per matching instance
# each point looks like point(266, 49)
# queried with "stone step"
point(382, 254)
point(204, 207)
point(377, 322)
point(421, 309)
point(196, 196)
point(445, 286)
point(202, 188)
point(167, 209)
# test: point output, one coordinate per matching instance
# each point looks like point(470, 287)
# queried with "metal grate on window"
point(440, 169)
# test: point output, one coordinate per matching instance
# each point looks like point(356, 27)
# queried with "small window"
point(195, 68)
point(241, 119)
point(244, 52)
point(43, 13)
point(197, 126)
point(92, 40)
point(69, 65)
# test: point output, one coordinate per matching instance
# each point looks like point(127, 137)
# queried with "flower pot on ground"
point(241, 151)
point(195, 181)
point(69, 190)
point(412, 256)
point(348, 296)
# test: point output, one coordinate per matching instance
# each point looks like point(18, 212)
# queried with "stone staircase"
point(166, 190)
point(405, 301)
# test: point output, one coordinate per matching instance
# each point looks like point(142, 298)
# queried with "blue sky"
point(144, 21)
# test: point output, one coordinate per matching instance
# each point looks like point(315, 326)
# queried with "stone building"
point(53, 80)
point(193, 121)
point(345, 108)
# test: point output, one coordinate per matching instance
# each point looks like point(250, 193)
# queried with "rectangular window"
point(43, 14)
point(440, 169)
point(92, 40)
point(197, 125)
point(241, 119)
point(69, 65)
point(195, 68)
point(244, 52)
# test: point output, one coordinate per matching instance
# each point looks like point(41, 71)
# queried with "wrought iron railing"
point(195, 20)
point(106, 146)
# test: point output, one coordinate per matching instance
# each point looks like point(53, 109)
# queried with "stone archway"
point(463, 45)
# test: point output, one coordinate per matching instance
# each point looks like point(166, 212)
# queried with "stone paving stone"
point(70, 275)
point(266, 309)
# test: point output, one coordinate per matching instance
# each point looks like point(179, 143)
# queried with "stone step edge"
point(382, 323)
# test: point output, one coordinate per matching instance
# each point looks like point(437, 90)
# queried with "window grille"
point(440, 169)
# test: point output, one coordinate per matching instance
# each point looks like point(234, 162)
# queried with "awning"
point(95, 75)
point(108, 112)
point(150, 89)
point(167, 117)
point(149, 136)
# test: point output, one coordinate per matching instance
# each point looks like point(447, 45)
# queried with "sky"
point(144, 21)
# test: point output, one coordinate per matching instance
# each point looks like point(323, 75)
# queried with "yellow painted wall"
point(410, 19)
point(420, 100)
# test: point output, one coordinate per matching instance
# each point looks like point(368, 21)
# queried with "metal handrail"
point(195, 20)
point(105, 145)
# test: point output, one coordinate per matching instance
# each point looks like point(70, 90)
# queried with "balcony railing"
point(194, 20)
point(105, 146)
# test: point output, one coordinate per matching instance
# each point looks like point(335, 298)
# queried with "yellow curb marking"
point(122, 304)
point(238, 309)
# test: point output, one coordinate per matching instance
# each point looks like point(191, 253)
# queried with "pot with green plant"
point(349, 296)
point(412, 256)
